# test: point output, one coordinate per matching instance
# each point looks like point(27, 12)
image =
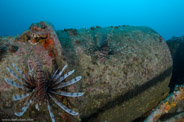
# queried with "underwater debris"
point(41, 87)
point(170, 102)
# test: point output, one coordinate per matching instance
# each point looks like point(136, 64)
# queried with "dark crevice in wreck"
point(130, 94)
point(178, 59)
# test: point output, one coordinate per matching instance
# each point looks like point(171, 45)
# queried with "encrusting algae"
point(171, 101)
point(38, 33)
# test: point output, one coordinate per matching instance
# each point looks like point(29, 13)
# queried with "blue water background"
point(164, 16)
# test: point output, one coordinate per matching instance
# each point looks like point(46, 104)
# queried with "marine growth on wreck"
point(36, 85)
point(122, 74)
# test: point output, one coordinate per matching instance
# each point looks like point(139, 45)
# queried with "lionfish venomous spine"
point(42, 87)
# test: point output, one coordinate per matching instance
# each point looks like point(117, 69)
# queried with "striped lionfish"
point(41, 87)
point(104, 51)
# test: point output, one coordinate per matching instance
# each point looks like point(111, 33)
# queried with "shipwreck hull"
point(126, 71)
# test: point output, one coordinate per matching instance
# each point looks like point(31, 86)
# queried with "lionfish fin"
point(50, 112)
point(21, 96)
point(53, 76)
point(69, 94)
point(20, 72)
point(64, 107)
point(10, 82)
point(65, 76)
point(76, 79)
point(61, 72)
point(24, 108)
point(16, 76)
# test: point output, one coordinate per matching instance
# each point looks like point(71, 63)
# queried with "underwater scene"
point(92, 60)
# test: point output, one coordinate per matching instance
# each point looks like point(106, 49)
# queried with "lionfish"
point(104, 51)
point(41, 87)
